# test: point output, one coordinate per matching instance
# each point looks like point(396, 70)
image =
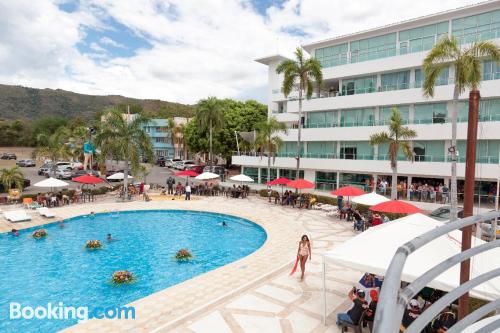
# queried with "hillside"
point(18, 102)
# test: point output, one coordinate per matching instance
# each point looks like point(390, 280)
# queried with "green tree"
point(48, 125)
point(124, 140)
point(54, 146)
point(307, 72)
point(209, 115)
point(397, 139)
point(268, 140)
point(12, 176)
point(466, 63)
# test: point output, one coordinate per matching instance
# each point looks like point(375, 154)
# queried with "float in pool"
point(58, 268)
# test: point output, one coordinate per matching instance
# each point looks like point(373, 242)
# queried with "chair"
point(357, 327)
point(16, 216)
point(27, 202)
point(14, 195)
point(44, 211)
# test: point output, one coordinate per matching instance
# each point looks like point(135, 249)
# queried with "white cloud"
point(198, 48)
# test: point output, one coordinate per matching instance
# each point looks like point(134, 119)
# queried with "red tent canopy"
point(348, 191)
point(88, 179)
point(300, 183)
point(186, 173)
point(279, 181)
point(395, 206)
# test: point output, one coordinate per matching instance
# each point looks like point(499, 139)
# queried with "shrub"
point(263, 193)
point(120, 277)
point(40, 233)
point(183, 255)
point(93, 244)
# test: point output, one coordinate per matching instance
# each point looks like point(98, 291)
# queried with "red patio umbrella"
point(279, 181)
point(88, 179)
point(300, 184)
point(348, 191)
point(186, 173)
point(395, 206)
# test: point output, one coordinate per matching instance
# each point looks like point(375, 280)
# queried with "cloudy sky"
point(175, 50)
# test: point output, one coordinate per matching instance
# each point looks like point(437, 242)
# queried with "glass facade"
point(356, 150)
point(477, 27)
point(357, 117)
point(429, 151)
point(395, 81)
point(321, 149)
point(373, 48)
point(491, 70)
point(487, 151)
point(362, 85)
point(289, 149)
point(383, 153)
point(321, 119)
point(356, 179)
point(251, 172)
point(326, 181)
point(263, 175)
point(290, 174)
point(440, 81)
point(489, 110)
point(435, 113)
point(386, 112)
point(421, 38)
point(332, 55)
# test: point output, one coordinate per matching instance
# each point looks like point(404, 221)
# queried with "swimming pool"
point(60, 269)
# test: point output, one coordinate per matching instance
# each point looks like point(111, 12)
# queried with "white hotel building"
point(365, 75)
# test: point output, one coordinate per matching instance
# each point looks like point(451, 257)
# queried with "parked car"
point(8, 156)
point(26, 184)
point(71, 164)
point(186, 164)
point(195, 168)
point(26, 163)
point(64, 173)
point(81, 172)
point(169, 163)
point(443, 213)
point(44, 169)
point(161, 161)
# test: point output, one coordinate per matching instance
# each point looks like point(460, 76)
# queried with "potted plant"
point(183, 255)
point(121, 277)
point(93, 244)
point(40, 233)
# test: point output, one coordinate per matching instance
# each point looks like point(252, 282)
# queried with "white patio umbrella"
point(118, 176)
point(242, 178)
point(206, 176)
point(369, 199)
point(51, 182)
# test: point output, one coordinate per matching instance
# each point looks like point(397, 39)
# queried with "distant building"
point(161, 137)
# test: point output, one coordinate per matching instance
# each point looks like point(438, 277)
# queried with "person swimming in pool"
point(224, 224)
point(15, 232)
point(109, 238)
point(61, 224)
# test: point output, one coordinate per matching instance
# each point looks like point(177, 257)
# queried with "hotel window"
point(362, 85)
point(435, 113)
point(373, 48)
point(160, 140)
point(428, 151)
point(441, 80)
point(263, 175)
point(356, 150)
point(289, 149)
point(491, 70)
point(321, 119)
point(487, 151)
point(321, 149)
point(489, 110)
point(477, 27)
point(357, 117)
point(326, 181)
point(395, 81)
point(422, 38)
point(290, 174)
point(383, 153)
point(386, 112)
point(332, 55)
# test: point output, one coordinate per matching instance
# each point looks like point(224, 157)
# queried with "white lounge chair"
point(44, 211)
point(17, 216)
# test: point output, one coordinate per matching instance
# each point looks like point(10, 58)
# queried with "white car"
point(169, 163)
point(182, 165)
point(64, 173)
point(72, 165)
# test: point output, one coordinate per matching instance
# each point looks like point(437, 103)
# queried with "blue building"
point(161, 137)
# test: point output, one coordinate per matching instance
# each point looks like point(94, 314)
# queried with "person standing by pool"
point(187, 189)
point(170, 185)
point(304, 252)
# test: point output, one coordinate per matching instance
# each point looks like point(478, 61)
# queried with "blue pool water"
point(59, 268)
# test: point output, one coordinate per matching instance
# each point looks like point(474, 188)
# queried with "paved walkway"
point(252, 294)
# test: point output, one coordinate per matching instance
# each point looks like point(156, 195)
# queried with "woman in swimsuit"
point(303, 253)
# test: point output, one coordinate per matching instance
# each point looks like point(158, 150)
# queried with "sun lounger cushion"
point(44, 211)
point(17, 216)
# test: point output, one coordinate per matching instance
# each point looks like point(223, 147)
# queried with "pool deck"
point(253, 294)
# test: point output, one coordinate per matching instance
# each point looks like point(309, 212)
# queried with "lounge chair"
point(17, 216)
point(44, 211)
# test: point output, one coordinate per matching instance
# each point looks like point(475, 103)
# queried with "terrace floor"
point(253, 294)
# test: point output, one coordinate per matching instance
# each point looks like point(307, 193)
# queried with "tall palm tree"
point(171, 125)
point(179, 140)
point(268, 140)
point(54, 146)
point(307, 72)
point(11, 176)
point(124, 139)
point(210, 116)
point(398, 139)
point(467, 66)
point(76, 138)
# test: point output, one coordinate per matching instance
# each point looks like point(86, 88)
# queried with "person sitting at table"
point(372, 307)
point(40, 199)
point(357, 296)
point(369, 281)
point(444, 321)
point(358, 220)
point(377, 220)
point(411, 313)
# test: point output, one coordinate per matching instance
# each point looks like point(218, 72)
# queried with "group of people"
point(290, 198)
point(360, 222)
point(52, 199)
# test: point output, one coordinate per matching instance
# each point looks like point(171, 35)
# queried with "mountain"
point(18, 102)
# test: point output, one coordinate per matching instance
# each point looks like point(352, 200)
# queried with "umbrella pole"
point(324, 291)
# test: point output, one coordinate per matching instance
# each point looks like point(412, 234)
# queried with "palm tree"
point(306, 72)
point(53, 146)
point(124, 139)
point(397, 138)
point(210, 116)
point(178, 138)
point(171, 125)
point(467, 65)
point(11, 176)
point(77, 137)
point(268, 140)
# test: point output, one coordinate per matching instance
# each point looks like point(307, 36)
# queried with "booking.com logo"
point(60, 311)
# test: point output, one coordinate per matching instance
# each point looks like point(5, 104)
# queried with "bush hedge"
point(319, 198)
point(71, 193)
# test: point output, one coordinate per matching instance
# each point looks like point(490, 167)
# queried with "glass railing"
point(491, 76)
point(320, 125)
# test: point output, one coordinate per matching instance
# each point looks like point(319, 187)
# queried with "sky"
point(175, 50)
